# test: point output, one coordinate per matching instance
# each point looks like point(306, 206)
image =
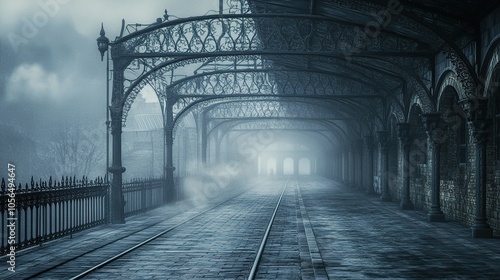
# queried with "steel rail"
point(156, 236)
point(256, 262)
point(102, 264)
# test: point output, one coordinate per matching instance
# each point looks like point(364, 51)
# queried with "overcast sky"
point(50, 68)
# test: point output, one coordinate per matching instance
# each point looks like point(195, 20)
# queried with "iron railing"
point(43, 211)
point(46, 210)
point(142, 195)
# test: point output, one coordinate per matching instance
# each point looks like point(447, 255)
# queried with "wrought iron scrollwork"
point(269, 109)
point(281, 125)
point(462, 71)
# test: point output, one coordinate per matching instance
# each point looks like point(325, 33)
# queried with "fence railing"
point(142, 195)
point(44, 211)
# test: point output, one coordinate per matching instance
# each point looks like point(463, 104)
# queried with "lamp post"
point(103, 46)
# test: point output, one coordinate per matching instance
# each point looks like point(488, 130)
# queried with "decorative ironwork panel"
point(268, 82)
point(269, 109)
point(236, 33)
point(282, 125)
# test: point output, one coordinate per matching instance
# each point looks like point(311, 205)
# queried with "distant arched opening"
point(304, 166)
point(288, 166)
point(271, 166)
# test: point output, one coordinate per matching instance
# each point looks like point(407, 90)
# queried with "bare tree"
point(77, 150)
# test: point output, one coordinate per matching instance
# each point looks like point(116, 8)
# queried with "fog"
point(53, 108)
point(52, 81)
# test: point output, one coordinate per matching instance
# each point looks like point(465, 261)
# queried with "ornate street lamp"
point(103, 46)
point(102, 42)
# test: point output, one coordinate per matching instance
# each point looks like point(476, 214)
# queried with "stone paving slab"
point(220, 244)
point(281, 258)
point(36, 259)
point(361, 237)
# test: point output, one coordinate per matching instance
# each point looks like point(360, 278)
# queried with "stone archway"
point(453, 153)
point(419, 188)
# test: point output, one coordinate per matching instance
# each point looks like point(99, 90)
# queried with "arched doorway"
point(418, 159)
point(271, 166)
point(304, 166)
point(453, 152)
point(288, 168)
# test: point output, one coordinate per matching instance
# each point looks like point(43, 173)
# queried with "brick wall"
point(458, 189)
point(457, 184)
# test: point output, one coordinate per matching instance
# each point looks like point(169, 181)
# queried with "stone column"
point(405, 138)
point(481, 228)
point(352, 162)
point(332, 169)
point(359, 168)
point(368, 145)
point(477, 113)
point(352, 179)
point(340, 162)
point(431, 122)
point(343, 167)
point(346, 168)
point(384, 167)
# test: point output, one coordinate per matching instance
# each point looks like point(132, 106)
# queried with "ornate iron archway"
point(308, 51)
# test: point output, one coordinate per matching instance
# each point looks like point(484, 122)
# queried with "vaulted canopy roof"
point(363, 60)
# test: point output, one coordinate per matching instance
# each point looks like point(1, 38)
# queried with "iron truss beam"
point(270, 82)
point(222, 33)
point(162, 44)
point(365, 114)
point(283, 81)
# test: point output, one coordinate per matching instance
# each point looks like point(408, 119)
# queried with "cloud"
point(26, 22)
point(30, 82)
point(86, 15)
point(48, 50)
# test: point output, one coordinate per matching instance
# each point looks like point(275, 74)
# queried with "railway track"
point(255, 265)
point(143, 245)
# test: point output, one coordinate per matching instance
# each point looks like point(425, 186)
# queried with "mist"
point(53, 83)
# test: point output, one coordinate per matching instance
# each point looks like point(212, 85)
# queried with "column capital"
point(476, 111)
point(431, 123)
